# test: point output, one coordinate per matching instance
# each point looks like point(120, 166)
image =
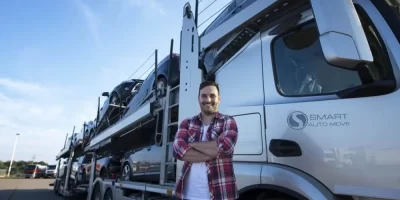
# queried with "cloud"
point(92, 19)
point(41, 120)
point(22, 87)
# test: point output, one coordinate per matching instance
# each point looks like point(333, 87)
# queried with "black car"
point(144, 164)
point(120, 95)
point(211, 57)
point(234, 7)
point(159, 83)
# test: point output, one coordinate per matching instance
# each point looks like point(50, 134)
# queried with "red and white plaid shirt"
point(221, 176)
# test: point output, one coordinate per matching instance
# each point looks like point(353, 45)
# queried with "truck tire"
point(56, 186)
point(265, 196)
point(108, 195)
point(96, 193)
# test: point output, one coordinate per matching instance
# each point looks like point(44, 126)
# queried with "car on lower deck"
point(106, 167)
point(144, 164)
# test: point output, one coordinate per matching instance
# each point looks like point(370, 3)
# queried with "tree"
point(42, 163)
point(19, 166)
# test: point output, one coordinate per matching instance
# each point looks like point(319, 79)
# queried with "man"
point(206, 142)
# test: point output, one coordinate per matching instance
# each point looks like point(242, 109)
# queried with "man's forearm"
point(192, 155)
point(208, 148)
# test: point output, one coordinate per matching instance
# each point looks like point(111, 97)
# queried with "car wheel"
point(126, 172)
point(161, 86)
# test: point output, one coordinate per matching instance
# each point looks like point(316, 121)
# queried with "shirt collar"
point(217, 115)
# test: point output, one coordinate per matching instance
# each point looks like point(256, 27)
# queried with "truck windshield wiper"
point(372, 89)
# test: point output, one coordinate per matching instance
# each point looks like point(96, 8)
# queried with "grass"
point(12, 176)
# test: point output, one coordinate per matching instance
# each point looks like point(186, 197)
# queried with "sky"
point(57, 57)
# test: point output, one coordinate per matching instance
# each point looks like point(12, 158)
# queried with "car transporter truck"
point(312, 84)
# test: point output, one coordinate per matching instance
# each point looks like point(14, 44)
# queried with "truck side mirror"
point(105, 94)
point(341, 35)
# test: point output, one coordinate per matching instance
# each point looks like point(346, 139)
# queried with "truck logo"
point(297, 120)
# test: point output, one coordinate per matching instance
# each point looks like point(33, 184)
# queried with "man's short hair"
point(208, 83)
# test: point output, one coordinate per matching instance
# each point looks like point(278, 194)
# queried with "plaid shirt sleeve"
point(180, 146)
point(227, 140)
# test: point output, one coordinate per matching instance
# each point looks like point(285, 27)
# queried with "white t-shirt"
point(196, 184)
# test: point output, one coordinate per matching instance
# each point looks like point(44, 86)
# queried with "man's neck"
point(206, 119)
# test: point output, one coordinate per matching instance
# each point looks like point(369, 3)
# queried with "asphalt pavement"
point(25, 189)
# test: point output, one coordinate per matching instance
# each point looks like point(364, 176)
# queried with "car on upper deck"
point(120, 95)
point(89, 131)
point(158, 83)
point(213, 56)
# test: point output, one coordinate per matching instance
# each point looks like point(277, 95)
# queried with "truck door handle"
point(284, 148)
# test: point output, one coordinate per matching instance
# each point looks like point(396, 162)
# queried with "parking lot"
point(22, 189)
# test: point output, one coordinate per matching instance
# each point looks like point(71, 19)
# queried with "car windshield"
point(51, 167)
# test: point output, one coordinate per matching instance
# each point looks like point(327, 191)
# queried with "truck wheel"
point(96, 193)
point(55, 187)
point(108, 195)
point(59, 192)
point(265, 196)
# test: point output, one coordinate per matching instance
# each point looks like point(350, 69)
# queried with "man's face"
point(209, 100)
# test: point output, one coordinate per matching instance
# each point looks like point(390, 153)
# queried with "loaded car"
point(144, 164)
point(106, 167)
point(120, 95)
point(232, 9)
point(89, 130)
point(217, 54)
point(78, 138)
point(158, 84)
point(77, 166)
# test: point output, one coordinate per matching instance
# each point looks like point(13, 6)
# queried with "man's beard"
point(211, 111)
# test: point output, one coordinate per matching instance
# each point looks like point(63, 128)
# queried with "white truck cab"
point(51, 171)
point(313, 86)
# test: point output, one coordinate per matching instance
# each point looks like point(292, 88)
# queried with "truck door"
point(338, 124)
point(241, 89)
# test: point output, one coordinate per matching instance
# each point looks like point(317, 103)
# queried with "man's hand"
point(208, 148)
point(192, 155)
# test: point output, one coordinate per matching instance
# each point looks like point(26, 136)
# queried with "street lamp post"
point(12, 157)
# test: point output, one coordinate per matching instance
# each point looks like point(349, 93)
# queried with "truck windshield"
point(390, 10)
point(51, 167)
point(31, 167)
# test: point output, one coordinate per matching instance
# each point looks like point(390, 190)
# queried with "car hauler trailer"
point(313, 86)
point(62, 183)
